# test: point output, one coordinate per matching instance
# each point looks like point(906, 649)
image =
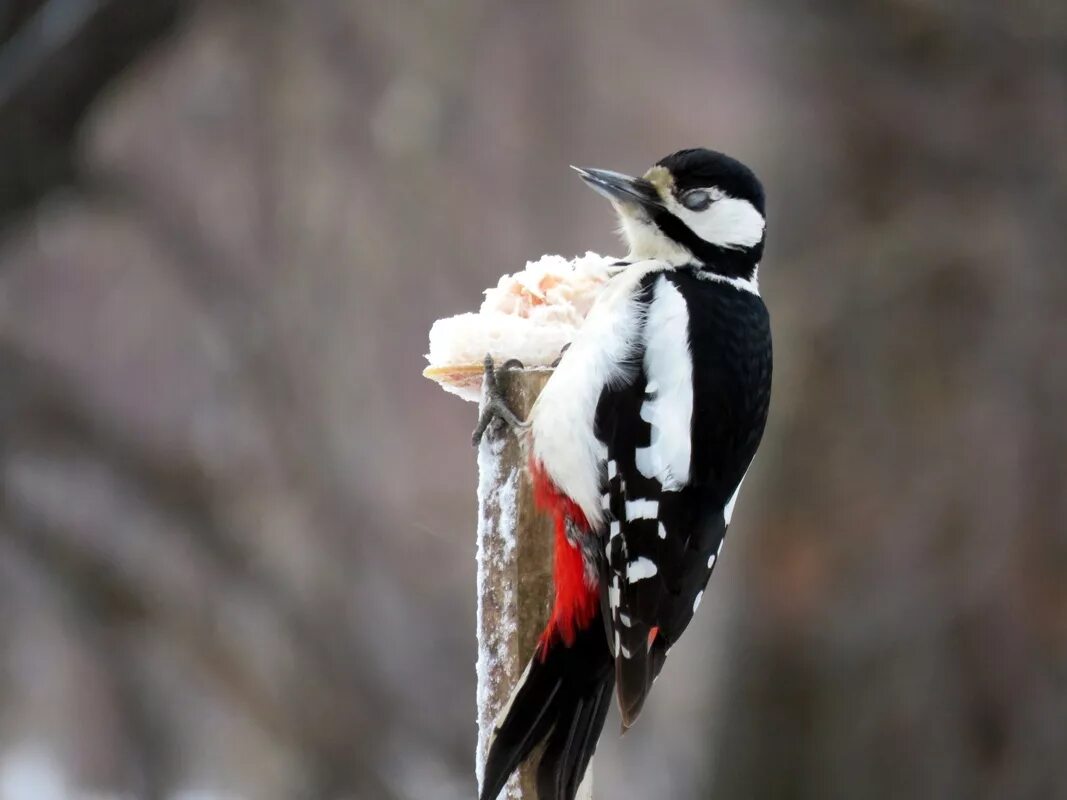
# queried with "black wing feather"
point(729, 338)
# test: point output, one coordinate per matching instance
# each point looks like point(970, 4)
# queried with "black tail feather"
point(570, 747)
point(634, 680)
point(562, 702)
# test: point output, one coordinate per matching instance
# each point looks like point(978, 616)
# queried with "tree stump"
point(515, 556)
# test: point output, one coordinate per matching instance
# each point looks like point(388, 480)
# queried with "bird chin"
point(634, 221)
point(645, 240)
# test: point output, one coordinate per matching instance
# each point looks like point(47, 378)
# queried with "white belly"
point(563, 417)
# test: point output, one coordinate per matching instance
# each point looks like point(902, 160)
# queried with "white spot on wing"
point(614, 593)
point(605, 501)
point(614, 528)
point(624, 618)
point(640, 569)
point(728, 512)
point(642, 509)
point(613, 469)
point(696, 601)
point(711, 560)
point(662, 531)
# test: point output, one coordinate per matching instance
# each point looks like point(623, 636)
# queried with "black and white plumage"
point(679, 437)
point(640, 441)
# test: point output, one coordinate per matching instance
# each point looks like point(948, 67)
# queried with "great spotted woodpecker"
point(638, 445)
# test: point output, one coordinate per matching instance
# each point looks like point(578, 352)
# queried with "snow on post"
point(514, 569)
point(528, 316)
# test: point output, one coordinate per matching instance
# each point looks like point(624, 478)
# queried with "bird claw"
point(495, 406)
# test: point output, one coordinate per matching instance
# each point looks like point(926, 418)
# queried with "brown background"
point(237, 527)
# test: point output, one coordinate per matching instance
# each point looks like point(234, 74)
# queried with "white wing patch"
point(641, 568)
point(668, 365)
point(642, 509)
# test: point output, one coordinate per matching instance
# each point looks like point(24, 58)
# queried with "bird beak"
point(621, 188)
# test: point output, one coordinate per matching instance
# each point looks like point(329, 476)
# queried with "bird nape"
point(638, 445)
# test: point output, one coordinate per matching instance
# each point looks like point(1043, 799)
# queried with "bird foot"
point(495, 406)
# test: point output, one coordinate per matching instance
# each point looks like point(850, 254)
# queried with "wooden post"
point(515, 558)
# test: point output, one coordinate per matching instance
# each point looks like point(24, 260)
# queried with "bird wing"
point(666, 511)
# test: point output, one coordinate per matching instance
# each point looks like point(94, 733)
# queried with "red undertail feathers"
point(576, 602)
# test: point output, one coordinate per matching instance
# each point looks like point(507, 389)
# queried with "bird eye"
point(696, 200)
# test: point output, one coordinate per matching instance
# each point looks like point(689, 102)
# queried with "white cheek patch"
point(728, 222)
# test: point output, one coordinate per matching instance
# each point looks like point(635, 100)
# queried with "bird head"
point(695, 207)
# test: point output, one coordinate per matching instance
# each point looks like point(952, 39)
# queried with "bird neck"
point(730, 264)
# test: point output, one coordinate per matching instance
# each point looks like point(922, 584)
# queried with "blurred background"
point(237, 526)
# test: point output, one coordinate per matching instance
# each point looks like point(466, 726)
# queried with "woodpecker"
point(638, 446)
